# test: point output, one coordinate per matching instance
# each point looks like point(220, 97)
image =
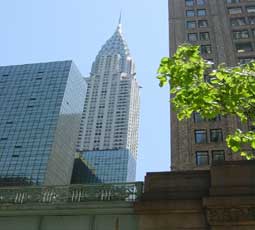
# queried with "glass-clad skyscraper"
point(40, 114)
point(108, 138)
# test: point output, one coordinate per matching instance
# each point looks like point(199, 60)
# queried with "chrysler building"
point(108, 138)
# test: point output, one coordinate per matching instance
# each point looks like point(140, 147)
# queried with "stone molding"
point(219, 216)
point(220, 197)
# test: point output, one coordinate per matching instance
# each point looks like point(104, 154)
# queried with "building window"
point(242, 34)
point(216, 135)
point(197, 117)
point(232, 1)
point(253, 32)
point(244, 47)
point(190, 13)
point(200, 136)
point(202, 158)
point(237, 10)
point(202, 23)
point(237, 22)
point(206, 49)
point(189, 2)
point(250, 9)
point(218, 155)
point(201, 2)
point(201, 12)
point(191, 24)
point(245, 60)
point(192, 37)
point(252, 20)
point(204, 36)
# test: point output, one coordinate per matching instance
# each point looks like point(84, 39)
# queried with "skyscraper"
point(225, 31)
point(40, 114)
point(108, 136)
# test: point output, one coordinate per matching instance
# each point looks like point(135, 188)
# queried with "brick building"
point(225, 29)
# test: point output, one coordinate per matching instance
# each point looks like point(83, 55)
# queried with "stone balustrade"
point(128, 192)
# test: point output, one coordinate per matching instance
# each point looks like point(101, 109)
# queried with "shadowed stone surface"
point(222, 198)
point(74, 207)
point(219, 199)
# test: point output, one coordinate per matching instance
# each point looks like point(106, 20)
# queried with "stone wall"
point(222, 198)
point(72, 207)
point(92, 216)
point(81, 222)
point(219, 199)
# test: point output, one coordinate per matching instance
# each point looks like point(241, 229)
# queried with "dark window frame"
point(191, 23)
point(239, 34)
point(207, 36)
point(190, 13)
point(206, 49)
point(232, 1)
point(197, 118)
point(206, 154)
point(252, 8)
point(189, 2)
point(220, 136)
point(235, 8)
point(243, 49)
point(236, 21)
point(202, 23)
point(189, 36)
point(201, 2)
point(199, 11)
point(217, 152)
point(200, 132)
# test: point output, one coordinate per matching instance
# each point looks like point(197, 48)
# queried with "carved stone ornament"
point(226, 215)
point(128, 192)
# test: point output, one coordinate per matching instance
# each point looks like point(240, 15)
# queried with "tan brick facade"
point(226, 30)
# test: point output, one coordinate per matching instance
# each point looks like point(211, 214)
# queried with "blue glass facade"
point(41, 107)
point(112, 165)
point(83, 173)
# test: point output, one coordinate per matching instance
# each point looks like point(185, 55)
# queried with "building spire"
point(120, 17)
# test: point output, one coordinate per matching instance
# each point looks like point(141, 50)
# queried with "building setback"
point(108, 138)
point(40, 114)
point(225, 29)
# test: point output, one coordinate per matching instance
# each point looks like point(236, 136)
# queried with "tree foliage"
point(197, 87)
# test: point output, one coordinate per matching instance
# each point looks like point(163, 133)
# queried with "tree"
point(196, 87)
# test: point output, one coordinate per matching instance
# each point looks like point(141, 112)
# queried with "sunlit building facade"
point(225, 31)
point(40, 114)
point(108, 138)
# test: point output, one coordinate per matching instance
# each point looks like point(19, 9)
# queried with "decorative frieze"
point(225, 215)
point(128, 192)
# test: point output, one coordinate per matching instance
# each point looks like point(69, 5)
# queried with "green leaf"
point(253, 144)
point(243, 154)
point(236, 138)
point(231, 91)
point(162, 80)
point(250, 156)
point(235, 148)
point(165, 60)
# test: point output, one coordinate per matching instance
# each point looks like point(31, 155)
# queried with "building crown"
point(117, 45)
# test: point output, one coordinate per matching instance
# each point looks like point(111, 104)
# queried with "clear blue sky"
point(50, 30)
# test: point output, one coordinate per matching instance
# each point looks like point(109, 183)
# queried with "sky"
point(53, 30)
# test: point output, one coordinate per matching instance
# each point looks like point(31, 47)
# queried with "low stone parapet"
point(218, 199)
